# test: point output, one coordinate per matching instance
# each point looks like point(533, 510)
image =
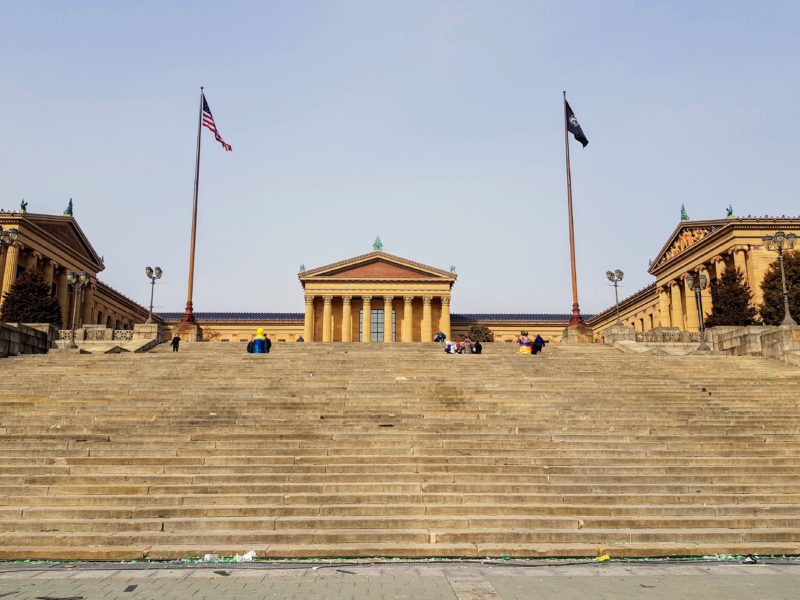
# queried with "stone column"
point(347, 319)
point(366, 319)
point(706, 293)
point(444, 319)
point(427, 334)
point(32, 261)
point(63, 298)
point(10, 272)
point(677, 305)
point(408, 317)
point(49, 269)
point(740, 262)
point(719, 267)
point(692, 322)
point(663, 307)
point(327, 326)
point(88, 304)
point(387, 319)
point(308, 323)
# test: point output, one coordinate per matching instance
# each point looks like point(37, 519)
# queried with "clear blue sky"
point(437, 125)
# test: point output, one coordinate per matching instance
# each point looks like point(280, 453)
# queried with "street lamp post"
point(152, 274)
point(698, 282)
point(78, 281)
point(779, 242)
point(615, 277)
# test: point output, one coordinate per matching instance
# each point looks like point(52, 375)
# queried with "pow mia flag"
point(574, 127)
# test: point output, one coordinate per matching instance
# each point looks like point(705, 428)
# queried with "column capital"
point(388, 298)
point(52, 263)
point(408, 299)
point(366, 298)
point(427, 299)
point(446, 300)
point(327, 299)
point(346, 299)
point(309, 299)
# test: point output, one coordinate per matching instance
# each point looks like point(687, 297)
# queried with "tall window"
point(377, 325)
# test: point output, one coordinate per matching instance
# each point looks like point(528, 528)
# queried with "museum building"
point(52, 246)
point(404, 301)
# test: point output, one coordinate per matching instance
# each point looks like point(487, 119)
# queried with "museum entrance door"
point(377, 325)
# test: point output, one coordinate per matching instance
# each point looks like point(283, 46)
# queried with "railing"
point(65, 334)
point(123, 334)
point(94, 335)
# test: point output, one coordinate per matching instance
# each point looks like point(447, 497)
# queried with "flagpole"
point(188, 315)
point(576, 318)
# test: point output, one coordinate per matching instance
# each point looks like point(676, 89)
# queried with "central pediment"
point(377, 265)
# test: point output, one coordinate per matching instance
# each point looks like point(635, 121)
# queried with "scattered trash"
point(247, 557)
point(750, 560)
point(603, 558)
point(131, 587)
point(212, 414)
point(223, 573)
point(210, 558)
point(646, 586)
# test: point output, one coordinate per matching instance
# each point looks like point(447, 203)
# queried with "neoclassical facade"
point(376, 297)
point(52, 245)
point(706, 247)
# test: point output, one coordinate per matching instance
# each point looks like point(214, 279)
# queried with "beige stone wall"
point(232, 332)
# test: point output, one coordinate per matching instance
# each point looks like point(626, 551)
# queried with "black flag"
point(574, 127)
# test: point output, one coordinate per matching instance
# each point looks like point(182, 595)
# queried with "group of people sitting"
point(528, 345)
point(259, 343)
point(465, 346)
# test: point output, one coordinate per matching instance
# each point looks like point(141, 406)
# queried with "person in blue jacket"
point(260, 342)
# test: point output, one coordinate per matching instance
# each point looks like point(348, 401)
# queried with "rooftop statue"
point(729, 211)
point(302, 268)
point(68, 211)
point(684, 216)
point(23, 206)
point(377, 245)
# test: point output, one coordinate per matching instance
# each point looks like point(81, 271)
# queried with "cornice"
point(376, 255)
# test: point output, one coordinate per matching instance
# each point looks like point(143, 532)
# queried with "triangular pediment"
point(67, 233)
point(686, 235)
point(377, 265)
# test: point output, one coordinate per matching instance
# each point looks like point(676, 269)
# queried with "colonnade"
point(86, 311)
point(340, 321)
point(677, 301)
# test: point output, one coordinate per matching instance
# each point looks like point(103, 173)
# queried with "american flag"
point(208, 121)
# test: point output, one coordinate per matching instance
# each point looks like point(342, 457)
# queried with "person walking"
point(250, 345)
point(538, 344)
point(176, 342)
point(267, 344)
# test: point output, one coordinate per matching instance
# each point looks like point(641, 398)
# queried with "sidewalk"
point(388, 582)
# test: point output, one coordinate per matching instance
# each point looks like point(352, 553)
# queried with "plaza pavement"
point(729, 581)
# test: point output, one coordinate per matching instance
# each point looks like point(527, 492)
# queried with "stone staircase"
point(395, 450)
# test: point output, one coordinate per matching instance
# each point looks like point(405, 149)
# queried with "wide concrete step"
point(372, 449)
